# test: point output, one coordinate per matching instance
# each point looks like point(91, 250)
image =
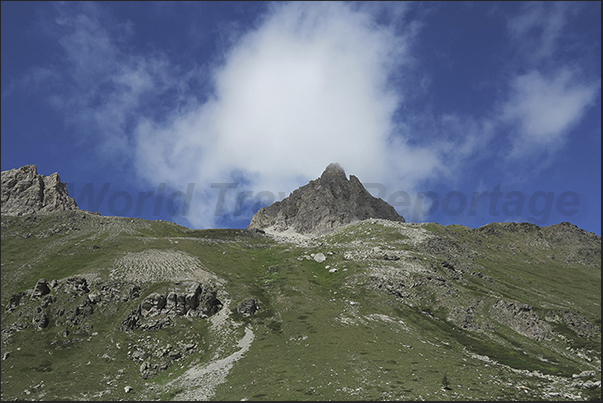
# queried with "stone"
point(521, 318)
point(128, 389)
point(40, 320)
point(248, 307)
point(15, 300)
point(323, 205)
point(94, 298)
point(40, 289)
point(319, 257)
point(77, 285)
point(152, 304)
point(584, 374)
point(175, 355)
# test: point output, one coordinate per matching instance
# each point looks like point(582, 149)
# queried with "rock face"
point(26, 192)
point(323, 205)
point(187, 298)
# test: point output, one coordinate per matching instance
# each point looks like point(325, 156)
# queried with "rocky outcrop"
point(24, 191)
point(188, 298)
point(521, 318)
point(575, 321)
point(40, 289)
point(323, 205)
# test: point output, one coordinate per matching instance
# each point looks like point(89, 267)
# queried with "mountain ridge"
point(322, 205)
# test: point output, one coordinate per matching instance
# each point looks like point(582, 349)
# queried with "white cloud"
point(307, 88)
point(309, 85)
point(544, 108)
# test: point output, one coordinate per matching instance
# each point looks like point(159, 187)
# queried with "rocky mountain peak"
point(334, 171)
point(323, 205)
point(24, 191)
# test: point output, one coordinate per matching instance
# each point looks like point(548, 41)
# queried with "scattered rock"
point(584, 374)
point(152, 304)
point(76, 286)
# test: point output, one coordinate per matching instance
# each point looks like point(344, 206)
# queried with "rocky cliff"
point(323, 205)
point(24, 191)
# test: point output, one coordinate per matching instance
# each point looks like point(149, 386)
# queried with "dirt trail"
point(200, 382)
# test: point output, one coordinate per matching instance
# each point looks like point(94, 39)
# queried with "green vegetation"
point(417, 327)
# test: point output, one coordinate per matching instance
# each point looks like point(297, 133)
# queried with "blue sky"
point(202, 112)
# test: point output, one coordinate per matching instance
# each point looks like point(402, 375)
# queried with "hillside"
point(376, 309)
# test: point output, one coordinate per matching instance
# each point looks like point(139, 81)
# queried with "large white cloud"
point(309, 84)
point(307, 88)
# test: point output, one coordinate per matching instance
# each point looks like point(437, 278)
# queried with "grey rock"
point(580, 325)
point(248, 307)
point(319, 257)
point(94, 298)
point(15, 300)
point(40, 320)
point(521, 318)
point(47, 300)
point(40, 289)
point(24, 191)
point(323, 205)
point(77, 286)
point(152, 304)
point(175, 355)
point(187, 298)
point(132, 321)
point(584, 374)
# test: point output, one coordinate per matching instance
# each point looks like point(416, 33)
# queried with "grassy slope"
point(318, 335)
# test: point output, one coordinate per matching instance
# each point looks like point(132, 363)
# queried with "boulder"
point(320, 257)
point(15, 300)
point(76, 285)
point(152, 304)
point(248, 307)
point(40, 289)
point(40, 320)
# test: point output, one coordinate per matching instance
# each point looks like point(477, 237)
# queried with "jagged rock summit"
point(24, 191)
point(323, 205)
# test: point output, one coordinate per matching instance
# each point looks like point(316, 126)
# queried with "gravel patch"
point(154, 265)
